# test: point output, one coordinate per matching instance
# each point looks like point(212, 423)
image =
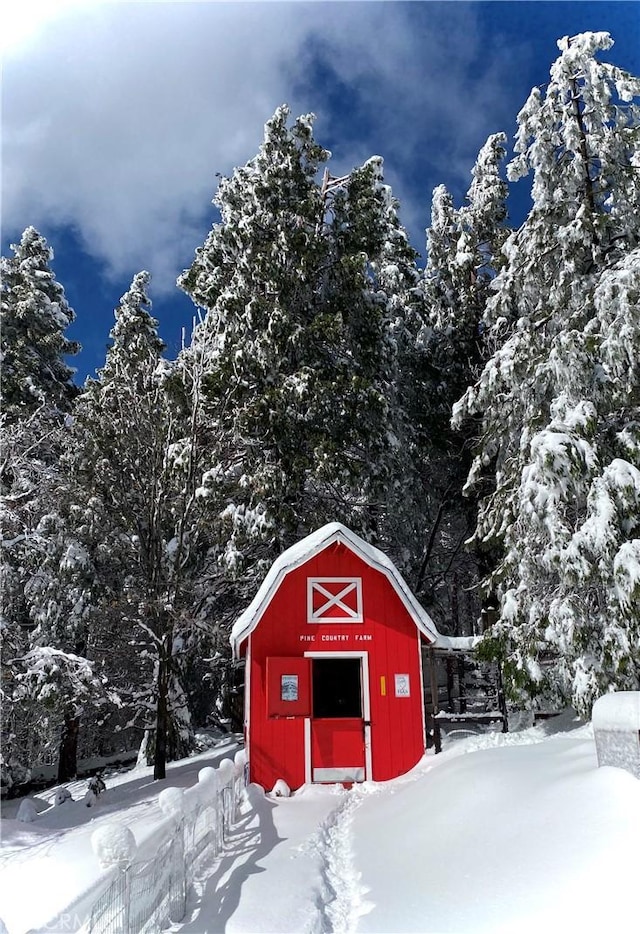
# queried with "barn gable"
point(312, 545)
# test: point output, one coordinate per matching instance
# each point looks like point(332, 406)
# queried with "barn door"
point(337, 721)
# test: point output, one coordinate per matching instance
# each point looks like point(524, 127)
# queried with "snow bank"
point(514, 838)
point(502, 833)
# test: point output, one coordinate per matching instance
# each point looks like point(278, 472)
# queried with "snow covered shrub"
point(27, 811)
point(96, 785)
point(114, 845)
point(62, 795)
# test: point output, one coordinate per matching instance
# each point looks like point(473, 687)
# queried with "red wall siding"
point(389, 636)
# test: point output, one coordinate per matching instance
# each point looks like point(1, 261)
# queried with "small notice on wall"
point(403, 688)
point(289, 688)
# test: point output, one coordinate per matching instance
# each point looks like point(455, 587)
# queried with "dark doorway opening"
point(337, 690)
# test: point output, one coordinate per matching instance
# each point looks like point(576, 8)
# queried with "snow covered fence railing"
point(145, 884)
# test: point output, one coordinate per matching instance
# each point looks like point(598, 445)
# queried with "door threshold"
point(353, 774)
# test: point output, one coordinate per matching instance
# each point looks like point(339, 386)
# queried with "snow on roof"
point(308, 547)
point(618, 711)
point(456, 643)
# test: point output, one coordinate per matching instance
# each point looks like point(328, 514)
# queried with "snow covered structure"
point(616, 725)
point(333, 685)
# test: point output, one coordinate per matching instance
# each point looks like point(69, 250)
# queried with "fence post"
point(178, 900)
point(115, 845)
point(227, 774)
point(208, 778)
point(119, 906)
point(171, 802)
point(240, 763)
point(127, 899)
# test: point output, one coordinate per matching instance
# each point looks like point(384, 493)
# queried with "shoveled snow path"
point(342, 900)
point(292, 857)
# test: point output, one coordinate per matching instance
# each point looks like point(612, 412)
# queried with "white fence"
point(146, 887)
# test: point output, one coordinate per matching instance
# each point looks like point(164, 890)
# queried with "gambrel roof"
point(307, 548)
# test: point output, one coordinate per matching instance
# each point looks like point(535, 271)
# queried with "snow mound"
point(171, 802)
point(207, 776)
point(226, 772)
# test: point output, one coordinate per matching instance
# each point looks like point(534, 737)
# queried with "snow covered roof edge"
point(308, 547)
point(457, 643)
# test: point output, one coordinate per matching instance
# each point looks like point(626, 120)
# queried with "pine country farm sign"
point(337, 637)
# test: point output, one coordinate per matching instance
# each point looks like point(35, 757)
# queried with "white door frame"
point(366, 713)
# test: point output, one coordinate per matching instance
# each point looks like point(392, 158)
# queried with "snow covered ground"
point(514, 833)
point(47, 864)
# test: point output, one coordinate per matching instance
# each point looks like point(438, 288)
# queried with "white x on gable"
point(334, 600)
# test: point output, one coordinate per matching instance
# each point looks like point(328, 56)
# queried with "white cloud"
point(117, 117)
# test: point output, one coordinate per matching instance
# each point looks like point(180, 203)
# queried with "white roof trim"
point(308, 547)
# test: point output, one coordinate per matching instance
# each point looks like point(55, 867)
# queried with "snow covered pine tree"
point(559, 401)
point(463, 258)
point(135, 474)
point(35, 314)
point(301, 286)
point(37, 392)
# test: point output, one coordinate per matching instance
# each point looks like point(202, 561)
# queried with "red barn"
point(333, 684)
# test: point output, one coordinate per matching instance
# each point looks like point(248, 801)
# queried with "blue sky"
point(117, 116)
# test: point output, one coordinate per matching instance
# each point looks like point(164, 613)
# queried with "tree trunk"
point(68, 753)
point(162, 714)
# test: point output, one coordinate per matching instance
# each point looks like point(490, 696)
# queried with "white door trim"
point(366, 713)
point(422, 696)
point(247, 700)
point(308, 775)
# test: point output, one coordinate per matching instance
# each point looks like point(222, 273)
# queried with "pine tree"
point(558, 417)
point(37, 391)
point(374, 287)
point(463, 258)
point(35, 314)
point(139, 443)
point(298, 345)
